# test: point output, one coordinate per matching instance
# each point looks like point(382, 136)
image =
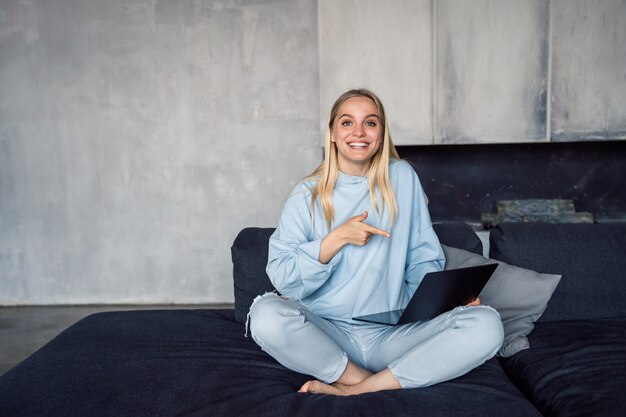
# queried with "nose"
point(358, 131)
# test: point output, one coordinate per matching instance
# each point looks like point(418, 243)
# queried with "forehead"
point(358, 106)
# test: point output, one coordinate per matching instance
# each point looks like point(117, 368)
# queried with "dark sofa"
point(199, 363)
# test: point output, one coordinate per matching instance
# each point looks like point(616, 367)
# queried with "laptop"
point(437, 293)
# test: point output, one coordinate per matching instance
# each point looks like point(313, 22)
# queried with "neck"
point(357, 170)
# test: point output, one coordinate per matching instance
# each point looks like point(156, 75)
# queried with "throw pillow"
point(518, 294)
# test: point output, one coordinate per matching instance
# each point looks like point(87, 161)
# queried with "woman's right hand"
point(353, 232)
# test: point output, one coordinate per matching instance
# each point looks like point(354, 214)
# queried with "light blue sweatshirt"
point(379, 276)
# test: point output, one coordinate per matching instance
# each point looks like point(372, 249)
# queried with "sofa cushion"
point(198, 363)
point(458, 235)
point(249, 255)
point(574, 368)
point(520, 295)
point(590, 257)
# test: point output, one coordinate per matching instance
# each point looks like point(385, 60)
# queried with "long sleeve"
point(293, 265)
point(424, 253)
point(379, 276)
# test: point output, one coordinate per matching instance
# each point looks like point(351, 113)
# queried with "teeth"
point(358, 145)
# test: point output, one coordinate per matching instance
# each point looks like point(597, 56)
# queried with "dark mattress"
point(198, 363)
point(574, 368)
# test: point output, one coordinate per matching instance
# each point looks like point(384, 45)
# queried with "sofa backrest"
point(590, 257)
point(249, 255)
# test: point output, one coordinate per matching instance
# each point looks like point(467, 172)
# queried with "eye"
point(346, 123)
point(371, 123)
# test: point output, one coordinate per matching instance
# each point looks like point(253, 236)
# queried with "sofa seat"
point(574, 368)
point(199, 363)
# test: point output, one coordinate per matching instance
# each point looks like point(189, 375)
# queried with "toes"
point(317, 387)
point(307, 387)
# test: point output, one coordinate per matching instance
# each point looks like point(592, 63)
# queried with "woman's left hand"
point(474, 303)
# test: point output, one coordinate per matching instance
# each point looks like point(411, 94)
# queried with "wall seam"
point(549, 77)
point(433, 70)
point(320, 119)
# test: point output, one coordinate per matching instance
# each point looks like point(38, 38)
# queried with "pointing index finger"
point(377, 231)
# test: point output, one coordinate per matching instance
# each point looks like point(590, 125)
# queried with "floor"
point(23, 330)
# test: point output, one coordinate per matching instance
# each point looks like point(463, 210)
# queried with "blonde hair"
point(326, 173)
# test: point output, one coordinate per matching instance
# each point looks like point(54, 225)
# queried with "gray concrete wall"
point(137, 138)
point(482, 71)
point(492, 66)
point(589, 69)
point(387, 47)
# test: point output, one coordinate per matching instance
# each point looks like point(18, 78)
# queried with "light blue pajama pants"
point(418, 354)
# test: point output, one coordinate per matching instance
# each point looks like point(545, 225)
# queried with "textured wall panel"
point(387, 47)
point(589, 69)
point(491, 77)
point(463, 181)
point(137, 138)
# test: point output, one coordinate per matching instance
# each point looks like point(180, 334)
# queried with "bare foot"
point(353, 374)
point(318, 387)
point(383, 380)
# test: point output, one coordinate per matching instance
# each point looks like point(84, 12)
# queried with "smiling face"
point(357, 133)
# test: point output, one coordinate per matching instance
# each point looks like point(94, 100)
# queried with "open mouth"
point(358, 145)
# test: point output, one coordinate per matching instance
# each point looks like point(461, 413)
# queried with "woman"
point(354, 238)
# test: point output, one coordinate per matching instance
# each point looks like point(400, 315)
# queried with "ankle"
point(353, 374)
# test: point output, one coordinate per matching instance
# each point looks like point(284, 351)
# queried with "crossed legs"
point(415, 355)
